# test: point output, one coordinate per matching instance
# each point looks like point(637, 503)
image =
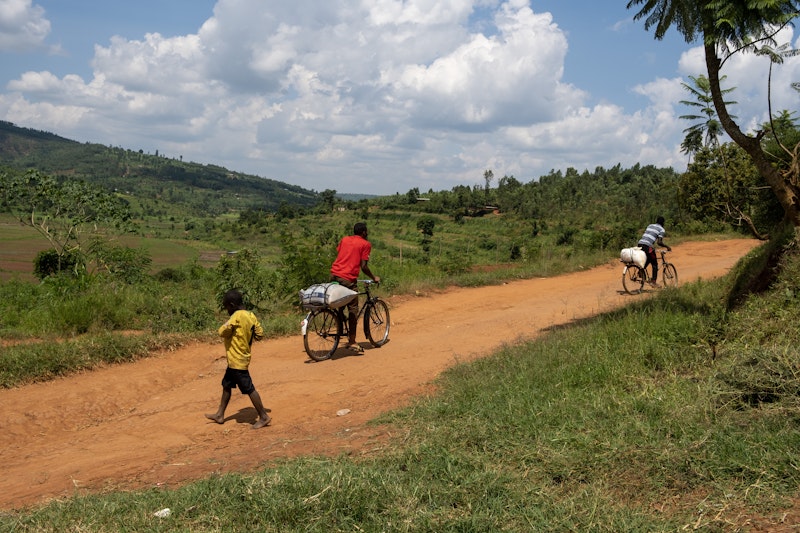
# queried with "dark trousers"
point(352, 307)
point(651, 260)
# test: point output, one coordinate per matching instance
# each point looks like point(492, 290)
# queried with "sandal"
point(355, 347)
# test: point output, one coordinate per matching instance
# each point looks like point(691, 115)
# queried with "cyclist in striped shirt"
point(654, 234)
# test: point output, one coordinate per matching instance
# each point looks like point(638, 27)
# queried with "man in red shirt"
point(352, 258)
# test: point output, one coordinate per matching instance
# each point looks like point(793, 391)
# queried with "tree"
point(782, 132)
point(60, 211)
point(708, 129)
point(692, 143)
point(723, 184)
point(425, 225)
point(726, 28)
point(328, 199)
point(488, 176)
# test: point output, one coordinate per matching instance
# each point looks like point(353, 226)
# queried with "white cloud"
point(512, 77)
point(363, 95)
point(23, 26)
point(169, 66)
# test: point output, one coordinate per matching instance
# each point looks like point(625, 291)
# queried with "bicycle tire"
point(376, 323)
point(670, 275)
point(633, 279)
point(322, 335)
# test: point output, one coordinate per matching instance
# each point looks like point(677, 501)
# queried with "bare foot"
point(219, 419)
point(261, 422)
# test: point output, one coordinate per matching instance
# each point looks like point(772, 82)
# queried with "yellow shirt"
point(239, 332)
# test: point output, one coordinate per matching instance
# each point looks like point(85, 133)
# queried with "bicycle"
point(634, 276)
point(323, 327)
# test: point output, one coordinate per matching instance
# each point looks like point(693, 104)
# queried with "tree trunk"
point(787, 193)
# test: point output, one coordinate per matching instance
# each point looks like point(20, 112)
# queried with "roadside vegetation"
point(677, 412)
point(136, 281)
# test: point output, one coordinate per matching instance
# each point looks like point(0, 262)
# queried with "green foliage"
point(781, 139)
point(452, 264)
point(124, 263)
point(327, 200)
point(426, 224)
point(722, 184)
point(260, 286)
point(608, 197)
point(728, 28)
point(60, 211)
point(306, 258)
point(707, 131)
point(50, 262)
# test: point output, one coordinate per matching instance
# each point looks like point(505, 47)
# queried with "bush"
point(121, 262)
point(49, 262)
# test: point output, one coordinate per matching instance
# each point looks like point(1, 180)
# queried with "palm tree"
point(692, 143)
point(708, 129)
point(727, 27)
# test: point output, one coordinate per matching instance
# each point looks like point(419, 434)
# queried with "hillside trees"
point(728, 27)
point(617, 199)
point(194, 189)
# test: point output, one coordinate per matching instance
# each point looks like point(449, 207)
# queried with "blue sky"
point(365, 96)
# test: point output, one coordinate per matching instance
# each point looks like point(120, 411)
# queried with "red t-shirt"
point(352, 250)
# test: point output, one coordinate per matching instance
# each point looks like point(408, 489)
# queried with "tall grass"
point(629, 421)
point(40, 361)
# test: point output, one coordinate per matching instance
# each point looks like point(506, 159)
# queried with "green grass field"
point(19, 245)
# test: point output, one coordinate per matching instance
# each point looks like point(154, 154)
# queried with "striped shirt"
point(652, 234)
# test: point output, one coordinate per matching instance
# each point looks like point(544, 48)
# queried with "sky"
point(367, 96)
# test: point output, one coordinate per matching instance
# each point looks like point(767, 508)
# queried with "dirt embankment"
point(142, 424)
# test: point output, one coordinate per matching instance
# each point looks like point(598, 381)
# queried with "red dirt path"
point(141, 424)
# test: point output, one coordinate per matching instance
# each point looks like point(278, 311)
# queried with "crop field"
point(19, 245)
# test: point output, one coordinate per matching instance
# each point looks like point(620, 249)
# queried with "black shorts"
point(238, 378)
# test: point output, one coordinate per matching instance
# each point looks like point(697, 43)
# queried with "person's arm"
point(226, 330)
point(368, 272)
point(663, 244)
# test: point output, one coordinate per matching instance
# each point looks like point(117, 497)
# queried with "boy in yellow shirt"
point(238, 333)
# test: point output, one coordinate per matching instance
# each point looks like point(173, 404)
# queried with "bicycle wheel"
point(670, 275)
point(376, 323)
point(633, 279)
point(322, 334)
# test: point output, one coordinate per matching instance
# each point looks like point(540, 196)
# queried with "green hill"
point(158, 184)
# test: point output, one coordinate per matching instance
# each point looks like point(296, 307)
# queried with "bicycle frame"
point(323, 327)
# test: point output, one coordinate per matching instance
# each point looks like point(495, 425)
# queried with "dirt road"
point(141, 424)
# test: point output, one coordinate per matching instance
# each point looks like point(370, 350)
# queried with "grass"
point(642, 419)
point(32, 362)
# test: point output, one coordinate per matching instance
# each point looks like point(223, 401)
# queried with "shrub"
point(49, 262)
point(121, 262)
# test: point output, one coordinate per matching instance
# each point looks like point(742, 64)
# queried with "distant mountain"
point(155, 183)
